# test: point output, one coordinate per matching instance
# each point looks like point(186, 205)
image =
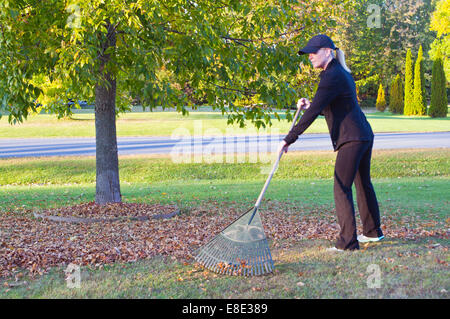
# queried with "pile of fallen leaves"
point(93, 211)
point(36, 244)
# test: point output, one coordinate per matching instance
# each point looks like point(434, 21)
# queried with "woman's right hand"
point(282, 147)
point(303, 104)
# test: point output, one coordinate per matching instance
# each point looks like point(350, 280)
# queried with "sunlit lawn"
point(197, 123)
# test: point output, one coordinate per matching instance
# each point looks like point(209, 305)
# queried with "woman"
point(352, 138)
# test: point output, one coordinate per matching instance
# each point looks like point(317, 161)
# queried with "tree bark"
point(107, 161)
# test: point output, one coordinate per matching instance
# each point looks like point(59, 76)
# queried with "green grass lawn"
point(421, 195)
point(416, 176)
point(411, 185)
point(155, 168)
point(197, 123)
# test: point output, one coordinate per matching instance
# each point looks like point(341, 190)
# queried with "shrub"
point(369, 102)
point(381, 99)
point(367, 87)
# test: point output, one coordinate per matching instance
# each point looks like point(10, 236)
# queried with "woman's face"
point(320, 58)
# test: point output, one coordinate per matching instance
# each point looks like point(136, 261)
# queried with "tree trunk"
point(107, 161)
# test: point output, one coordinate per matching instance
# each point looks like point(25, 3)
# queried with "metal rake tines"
point(240, 249)
point(225, 256)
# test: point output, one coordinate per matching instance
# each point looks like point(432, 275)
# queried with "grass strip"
point(207, 123)
point(151, 169)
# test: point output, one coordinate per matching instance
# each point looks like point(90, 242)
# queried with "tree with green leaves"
point(396, 96)
point(409, 94)
point(439, 102)
point(376, 34)
point(419, 106)
point(381, 99)
point(440, 23)
point(110, 52)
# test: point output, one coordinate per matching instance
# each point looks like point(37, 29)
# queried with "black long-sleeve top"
point(336, 99)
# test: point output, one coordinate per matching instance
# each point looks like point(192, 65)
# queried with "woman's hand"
point(303, 104)
point(283, 147)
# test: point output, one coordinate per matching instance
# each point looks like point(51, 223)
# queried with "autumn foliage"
point(33, 245)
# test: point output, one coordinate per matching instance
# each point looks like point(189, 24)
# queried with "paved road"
point(207, 145)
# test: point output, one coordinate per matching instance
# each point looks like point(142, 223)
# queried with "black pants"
point(353, 165)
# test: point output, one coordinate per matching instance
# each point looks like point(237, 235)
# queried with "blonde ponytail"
point(340, 56)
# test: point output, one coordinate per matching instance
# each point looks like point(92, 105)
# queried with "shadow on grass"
point(79, 120)
point(396, 117)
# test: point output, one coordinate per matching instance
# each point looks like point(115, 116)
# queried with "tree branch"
point(239, 40)
point(245, 91)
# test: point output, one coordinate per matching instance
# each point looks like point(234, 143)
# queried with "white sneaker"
point(365, 239)
point(334, 250)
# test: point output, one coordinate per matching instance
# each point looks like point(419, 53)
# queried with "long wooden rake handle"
point(274, 168)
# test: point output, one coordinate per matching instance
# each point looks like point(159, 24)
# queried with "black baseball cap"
point(317, 42)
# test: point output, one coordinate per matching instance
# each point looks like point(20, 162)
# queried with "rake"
point(241, 248)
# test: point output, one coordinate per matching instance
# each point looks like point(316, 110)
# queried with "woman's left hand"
point(303, 103)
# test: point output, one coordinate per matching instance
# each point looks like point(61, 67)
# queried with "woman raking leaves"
point(352, 139)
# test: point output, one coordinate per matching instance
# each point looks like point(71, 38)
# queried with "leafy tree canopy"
point(440, 23)
point(223, 50)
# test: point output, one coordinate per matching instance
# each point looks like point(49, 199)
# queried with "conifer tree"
point(439, 102)
point(409, 94)
point(396, 96)
point(419, 106)
point(381, 99)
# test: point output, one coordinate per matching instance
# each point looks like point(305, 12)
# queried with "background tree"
point(440, 23)
point(112, 51)
point(376, 34)
point(439, 102)
point(396, 96)
point(420, 101)
point(407, 26)
point(359, 38)
point(409, 94)
point(381, 100)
